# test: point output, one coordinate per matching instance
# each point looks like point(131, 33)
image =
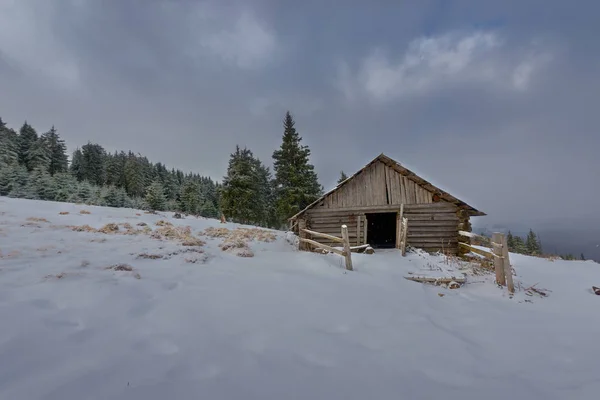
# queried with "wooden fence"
point(344, 240)
point(498, 254)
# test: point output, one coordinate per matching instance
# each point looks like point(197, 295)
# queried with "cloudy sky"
point(495, 101)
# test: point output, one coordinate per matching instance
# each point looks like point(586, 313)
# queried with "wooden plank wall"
point(332, 225)
point(377, 185)
point(431, 227)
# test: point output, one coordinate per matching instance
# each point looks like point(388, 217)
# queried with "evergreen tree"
point(342, 178)
point(9, 146)
point(532, 245)
point(76, 167)
point(27, 137)
point(57, 150)
point(296, 181)
point(41, 185)
point(38, 156)
point(13, 181)
point(582, 257)
point(191, 199)
point(155, 197)
point(519, 245)
point(510, 241)
point(93, 163)
point(134, 176)
point(241, 192)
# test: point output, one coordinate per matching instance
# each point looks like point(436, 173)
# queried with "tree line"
point(36, 166)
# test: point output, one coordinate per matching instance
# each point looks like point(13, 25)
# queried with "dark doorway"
point(381, 230)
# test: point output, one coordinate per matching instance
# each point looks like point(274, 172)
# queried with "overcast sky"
point(496, 102)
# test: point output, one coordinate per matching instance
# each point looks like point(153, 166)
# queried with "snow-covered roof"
point(404, 172)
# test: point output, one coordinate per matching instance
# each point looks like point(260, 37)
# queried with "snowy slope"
point(280, 325)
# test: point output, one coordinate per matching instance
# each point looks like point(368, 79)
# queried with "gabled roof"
point(409, 175)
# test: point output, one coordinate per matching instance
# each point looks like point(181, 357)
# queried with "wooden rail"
point(499, 254)
point(344, 240)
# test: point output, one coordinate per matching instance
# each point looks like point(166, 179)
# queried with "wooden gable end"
point(377, 185)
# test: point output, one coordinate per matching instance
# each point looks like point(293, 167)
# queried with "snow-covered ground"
point(203, 323)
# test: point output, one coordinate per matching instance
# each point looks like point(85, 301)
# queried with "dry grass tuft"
point(84, 263)
point(31, 225)
point(217, 232)
point(121, 267)
point(84, 212)
point(162, 222)
point(126, 225)
point(98, 240)
point(150, 256)
point(109, 228)
point(34, 219)
point(142, 224)
point(63, 213)
point(236, 246)
point(83, 228)
point(192, 241)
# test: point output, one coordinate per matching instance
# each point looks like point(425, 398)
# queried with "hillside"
point(149, 309)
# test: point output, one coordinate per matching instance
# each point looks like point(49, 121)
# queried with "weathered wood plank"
point(323, 235)
point(433, 217)
point(414, 223)
point(475, 250)
point(408, 209)
point(441, 235)
point(322, 246)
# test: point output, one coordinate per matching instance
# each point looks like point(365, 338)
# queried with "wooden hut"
point(369, 203)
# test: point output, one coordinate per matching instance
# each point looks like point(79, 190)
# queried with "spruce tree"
point(27, 136)
point(191, 199)
point(76, 167)
point(519, 245)
point(241, 192)
point(582, 257)
point(296, 182)
point(532, 245)
point(93, 163)
point(9, 146)
point(38, 156)
point(57, 150)
point(510, 241)
point(155, 197)
point(342, 178)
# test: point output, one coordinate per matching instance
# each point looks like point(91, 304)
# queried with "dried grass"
point(121, 267)
point(150, 256)
point(83, 228)
point(63, 213)
point(180, 233)
point(109, 228)
point(57, 276)
point(142, 224)
point(217, 232)
point(34, 219)
point(162, 222)
point(84, 212)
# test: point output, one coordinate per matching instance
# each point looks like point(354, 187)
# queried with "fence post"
point(506, 265)
point(404, 235)
point(301, 234)
point(347, 251)
point(498, 259)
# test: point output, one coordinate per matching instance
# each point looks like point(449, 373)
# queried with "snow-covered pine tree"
point(93, 163)
point(519, 245)
point(57, 149)
point(13, 181)
point(296, 181)
point(155, 197)
point(9, 146)
point(190, 197)
point(532, 245)
point(510, 241)
point(76, 167)
point(27, 136)
point(241, 192)
point(38, 156)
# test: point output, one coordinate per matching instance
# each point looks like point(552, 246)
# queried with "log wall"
point(431, 227)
